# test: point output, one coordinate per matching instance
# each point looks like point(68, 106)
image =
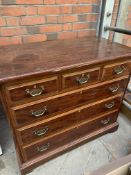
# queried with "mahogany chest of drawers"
point(61, 94)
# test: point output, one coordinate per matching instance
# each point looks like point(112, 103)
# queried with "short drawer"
point(42, 130)
point(80, 78)
point(48, 145)
point(48, 108)
point(31, 89)
point(116, 70)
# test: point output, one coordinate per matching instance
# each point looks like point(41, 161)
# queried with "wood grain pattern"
point(31, 164)
point(122, 68)
point(68, 114)
point(71, 80)
point(19, 92)
point(23, 115)
point(71, 135)
point(60, 123)
point(50, 57)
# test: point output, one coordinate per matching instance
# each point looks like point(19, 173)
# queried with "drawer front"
point(116, 70)
point(54, 106)
point(32, 89)
point(44, 147)
point(29, 134)
point(80, 78)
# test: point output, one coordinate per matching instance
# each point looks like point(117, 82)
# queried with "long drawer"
point(45, 109)
point(44, 129)
point(44, 147)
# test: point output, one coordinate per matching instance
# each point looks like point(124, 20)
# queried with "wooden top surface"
point(23, 60)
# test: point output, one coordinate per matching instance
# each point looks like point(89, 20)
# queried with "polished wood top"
point(29, 59)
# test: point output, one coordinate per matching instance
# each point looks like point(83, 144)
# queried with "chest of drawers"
point(61, 94)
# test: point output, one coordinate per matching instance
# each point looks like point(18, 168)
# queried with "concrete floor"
point(80, 161)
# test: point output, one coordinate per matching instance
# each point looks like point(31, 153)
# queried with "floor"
point(77, 162)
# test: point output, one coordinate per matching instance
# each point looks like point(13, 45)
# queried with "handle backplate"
point(41, 132)
point(43, 148)
point(110, 105)
point(39, 112)
point(35, 91)
point(114, 88)
point(105, 122)
point(119, 69)
point(83, 79)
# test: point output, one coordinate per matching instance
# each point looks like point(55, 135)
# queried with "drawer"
point(46, 109)
point(42, 130)
point(80, 78)
point(31, 89)
point(57, 141)
point(116, 70)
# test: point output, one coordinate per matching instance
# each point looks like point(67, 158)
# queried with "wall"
point(121, 18)
point(114, 17)
point(25, 21)
point(127, 38)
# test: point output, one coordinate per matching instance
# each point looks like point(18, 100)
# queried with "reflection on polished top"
point(21, 60)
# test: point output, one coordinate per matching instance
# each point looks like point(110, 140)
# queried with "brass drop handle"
point(119, 69)
point(35, 91)
point(40, 112)
point(41, 132)
point(83, 79)
point(110, 105)
point(105, 122)
point(114, 89)
point(43, 148)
